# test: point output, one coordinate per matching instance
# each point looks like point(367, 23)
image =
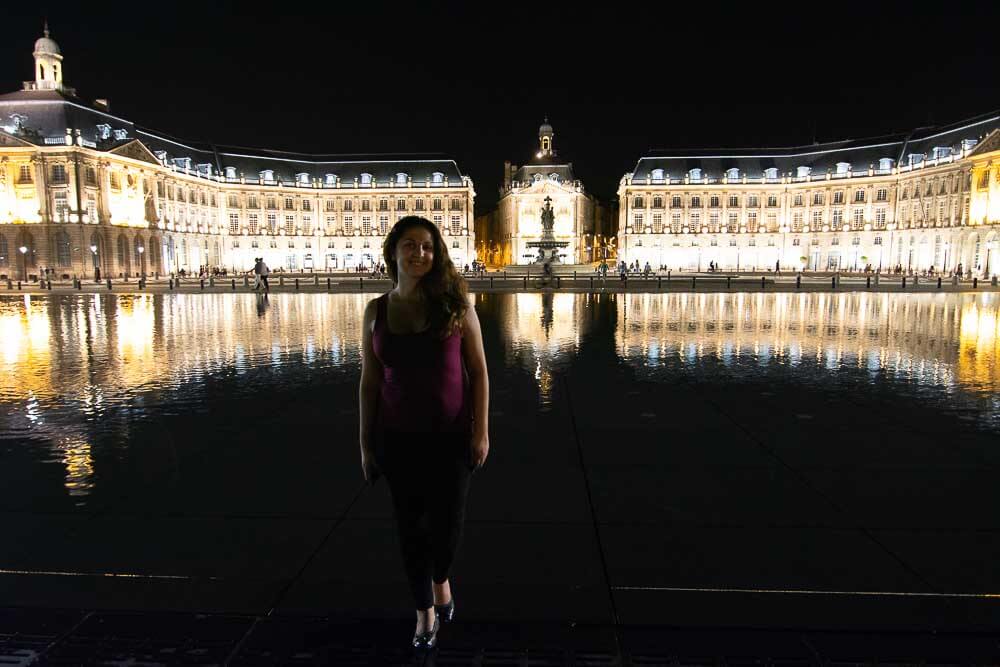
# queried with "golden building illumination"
point(83, 192)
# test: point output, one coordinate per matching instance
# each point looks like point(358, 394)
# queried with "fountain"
point(548, 247)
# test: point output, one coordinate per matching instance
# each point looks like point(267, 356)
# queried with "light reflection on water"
point(75, 369)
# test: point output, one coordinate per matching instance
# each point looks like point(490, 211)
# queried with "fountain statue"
point(548, 247)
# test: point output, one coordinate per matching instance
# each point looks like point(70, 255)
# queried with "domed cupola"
point(546, 140)
point(48, 63)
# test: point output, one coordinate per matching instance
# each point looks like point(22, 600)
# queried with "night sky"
point(474, 82)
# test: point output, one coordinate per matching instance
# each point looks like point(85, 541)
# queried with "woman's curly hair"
point(445, 291)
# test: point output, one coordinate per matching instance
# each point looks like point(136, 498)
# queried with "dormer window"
point(161, 156)
point(437, 178)
point(657, 175)
point(554, 177)
point(267, 175)
point(330, 180)
point(885, 164)
point(915, 158)
point(733, 174)
point(537, 178)
point(182, 162)
point(302, 178)
point(802, 172)
point(843, 167)
point(941, 151)
point(968, 144)
point(205, 169)
point(695, 174)
point(121, 135)
point(771, 173)
point(231, 173)
point(104, 131)
point(402, 178)
point(366, 179)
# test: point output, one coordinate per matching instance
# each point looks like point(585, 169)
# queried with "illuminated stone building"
point(927, 198)
point(517, 219)
point(82, 188)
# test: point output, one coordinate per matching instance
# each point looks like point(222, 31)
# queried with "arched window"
point(62, 249)
point(695, 174)
point(123, 254)
point(437, 178)
point(545, 143)
point(154, 254)
point(4, 251)
point(366, 179)
point(657, 175)
point(231, 173)
point(402, 178)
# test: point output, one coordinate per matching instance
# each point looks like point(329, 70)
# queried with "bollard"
point(558, 282)
point(246, 281)
point(798, 281)
point(491, 282)
point(362, 283)
point(916, 280)
point(296, 284)
point(171, 283)
point(729, 282)
point(975, 283)
point(876, 280)
point(202, 281)
point(50, 285)
point(868, 282)
point(659, 282)
point(525, 282)
point(10, 284)
point(18, 284)
point(574, 277)
point(762, 282)
point(315, 280)
point(694, 281)
point(211, 281)
point(109, 283)
point(904, 283)
point(993, 281)
point(833, 282)
point(668, 276)
point(939, 282)
point(281, 281)
point(954, 280)
point(328, 283)
point(234, 284)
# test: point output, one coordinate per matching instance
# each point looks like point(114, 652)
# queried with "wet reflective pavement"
point(667, 472)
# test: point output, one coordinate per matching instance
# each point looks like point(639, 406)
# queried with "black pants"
point(428, 475)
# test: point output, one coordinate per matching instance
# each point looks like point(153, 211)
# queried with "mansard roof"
point(820, 158)
point(47, 113)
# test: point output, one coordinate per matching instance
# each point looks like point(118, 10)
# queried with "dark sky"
point(474, 81)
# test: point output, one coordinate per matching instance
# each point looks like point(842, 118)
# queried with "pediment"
point(8, 140)
point(987, 145)
point(136, 150)
point(548, 187)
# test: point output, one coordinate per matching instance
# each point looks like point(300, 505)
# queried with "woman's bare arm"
point(371, 379)
point(475, 363)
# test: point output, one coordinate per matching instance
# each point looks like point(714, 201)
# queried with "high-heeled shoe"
point(427, 640)
point(446, 612)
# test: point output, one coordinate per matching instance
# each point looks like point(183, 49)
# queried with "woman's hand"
point(480, 450)
point(369, 468)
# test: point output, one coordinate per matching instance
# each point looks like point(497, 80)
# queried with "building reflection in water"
point(72, 365)
point(946, 340)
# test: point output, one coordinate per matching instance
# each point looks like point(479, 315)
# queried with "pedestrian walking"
point(424, 400)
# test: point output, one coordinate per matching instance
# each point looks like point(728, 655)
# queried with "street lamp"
point(24, 263)
point(142, 266)
point(93, 251)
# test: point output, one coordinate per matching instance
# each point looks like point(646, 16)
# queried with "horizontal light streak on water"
point(110, 575)
point(797, 591)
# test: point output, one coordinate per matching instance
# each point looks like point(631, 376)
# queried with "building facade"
point(82, 189)
point(923, 200)
point(517, 219)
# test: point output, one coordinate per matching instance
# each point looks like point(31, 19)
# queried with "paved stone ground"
point(641, 524)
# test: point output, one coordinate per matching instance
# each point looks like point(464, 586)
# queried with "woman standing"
point(424, 400)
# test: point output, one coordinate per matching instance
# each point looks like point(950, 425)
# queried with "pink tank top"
point(424, 385)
